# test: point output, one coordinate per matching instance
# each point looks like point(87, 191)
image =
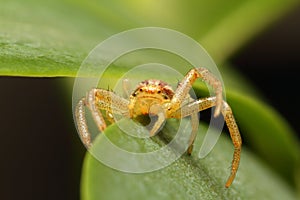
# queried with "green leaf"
point(51, 38)
point(187, 178)
point(264, 124)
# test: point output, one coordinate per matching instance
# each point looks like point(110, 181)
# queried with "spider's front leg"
point(185, 85)
point(209, 102)
point(96, 100)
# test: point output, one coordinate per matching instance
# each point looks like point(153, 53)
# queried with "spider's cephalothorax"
point(156, 97)
point(148, 94)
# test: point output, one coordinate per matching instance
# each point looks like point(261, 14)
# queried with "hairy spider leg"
point(205, 103)
point(195, 126)
point(185, 85)
point(126, 86)
point(81, 123)
point(96, 100)
point(92, 102)
point(161, 118)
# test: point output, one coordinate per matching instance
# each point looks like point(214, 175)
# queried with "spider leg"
point(91, 103)
point(195, 125)
point(185, 85)
point(236, 139)
point(81, 123)
point(96, 100)
point(126, 88)
point(159, 112)
point(209, 102)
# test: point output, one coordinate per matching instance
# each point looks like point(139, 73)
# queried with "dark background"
point(272, 63)
point(41, 155)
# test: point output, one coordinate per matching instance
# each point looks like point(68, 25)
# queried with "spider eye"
point(165, 97)
point(134, 94)
point(141, 90)
point(158, 91)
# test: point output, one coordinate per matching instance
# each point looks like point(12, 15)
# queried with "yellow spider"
point(155, 97)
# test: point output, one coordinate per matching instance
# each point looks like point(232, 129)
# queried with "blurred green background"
point(255, 44)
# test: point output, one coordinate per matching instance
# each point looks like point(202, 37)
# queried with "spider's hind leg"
point(126, 88)
point(226, 111)
point(195, 126)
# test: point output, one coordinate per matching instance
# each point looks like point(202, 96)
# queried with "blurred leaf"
point(268, 133)
point(239, 26)
point(187, 178)
point(51, 38)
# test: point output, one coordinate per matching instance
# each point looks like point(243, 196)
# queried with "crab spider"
point(155, 97)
